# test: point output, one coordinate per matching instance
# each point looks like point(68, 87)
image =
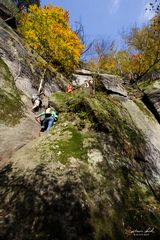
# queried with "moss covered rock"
point(11, 106)
point(85, 179)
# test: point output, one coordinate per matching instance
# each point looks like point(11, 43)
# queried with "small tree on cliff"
point(47, 30)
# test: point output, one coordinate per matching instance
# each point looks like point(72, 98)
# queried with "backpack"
point(56, 117)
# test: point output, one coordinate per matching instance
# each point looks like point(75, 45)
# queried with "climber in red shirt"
point(69, 88)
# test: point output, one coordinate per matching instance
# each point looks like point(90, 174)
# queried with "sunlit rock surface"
point(25, 65)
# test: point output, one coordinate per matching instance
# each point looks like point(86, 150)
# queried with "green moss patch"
point(72, 147)
point(11, 106)
point(63, 143)
point(5, 75)
point(105, 114)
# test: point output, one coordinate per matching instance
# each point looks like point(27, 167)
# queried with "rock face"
point(26, 67)
point(94, 175)
point(151, 131)
point(20, 75)
point(16, 122)
point(153, 95)
point(81, 76)
point(112, 84)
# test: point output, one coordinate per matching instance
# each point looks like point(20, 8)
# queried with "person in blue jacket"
point(47, 119)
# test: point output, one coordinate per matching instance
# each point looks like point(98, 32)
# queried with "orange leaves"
point(47, 30)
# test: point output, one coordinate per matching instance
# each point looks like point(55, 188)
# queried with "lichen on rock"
point(11, 106)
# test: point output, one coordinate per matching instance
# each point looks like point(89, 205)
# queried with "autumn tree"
point(141, 55)
point(123, 62)
point(47, 30)
point(145, 42)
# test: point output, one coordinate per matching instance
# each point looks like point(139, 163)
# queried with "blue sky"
point(104, 19)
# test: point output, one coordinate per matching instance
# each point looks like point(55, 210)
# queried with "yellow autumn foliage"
point(47, 30)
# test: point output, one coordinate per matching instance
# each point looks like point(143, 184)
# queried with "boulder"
point(84, 72)
point(113, 84)
point(79, 80)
